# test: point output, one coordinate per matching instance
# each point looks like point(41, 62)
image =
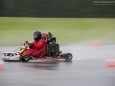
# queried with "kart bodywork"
point(11, 56)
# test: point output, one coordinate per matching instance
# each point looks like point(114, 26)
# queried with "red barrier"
point(1, 63)
point(110, 61)
point(94, 42)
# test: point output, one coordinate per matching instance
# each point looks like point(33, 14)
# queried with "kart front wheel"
point(25, 58)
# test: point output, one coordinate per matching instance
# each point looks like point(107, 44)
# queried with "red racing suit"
point(36, 46)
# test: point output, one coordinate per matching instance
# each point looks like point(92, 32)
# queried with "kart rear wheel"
point(25, 58)
point(67, 56)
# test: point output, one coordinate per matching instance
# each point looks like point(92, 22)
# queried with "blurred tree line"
point(56, 8)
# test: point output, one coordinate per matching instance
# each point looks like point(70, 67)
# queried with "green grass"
point(14, 30)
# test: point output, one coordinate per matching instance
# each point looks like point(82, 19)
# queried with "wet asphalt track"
point(88, 71)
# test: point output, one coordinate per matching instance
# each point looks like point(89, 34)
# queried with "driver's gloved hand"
point(29, 43)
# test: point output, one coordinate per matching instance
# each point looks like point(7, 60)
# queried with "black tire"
point(25, 58)
point(68, 57)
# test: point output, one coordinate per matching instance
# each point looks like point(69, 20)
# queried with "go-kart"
point(50, 50)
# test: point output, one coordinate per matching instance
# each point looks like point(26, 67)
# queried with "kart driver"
point(37, 45)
